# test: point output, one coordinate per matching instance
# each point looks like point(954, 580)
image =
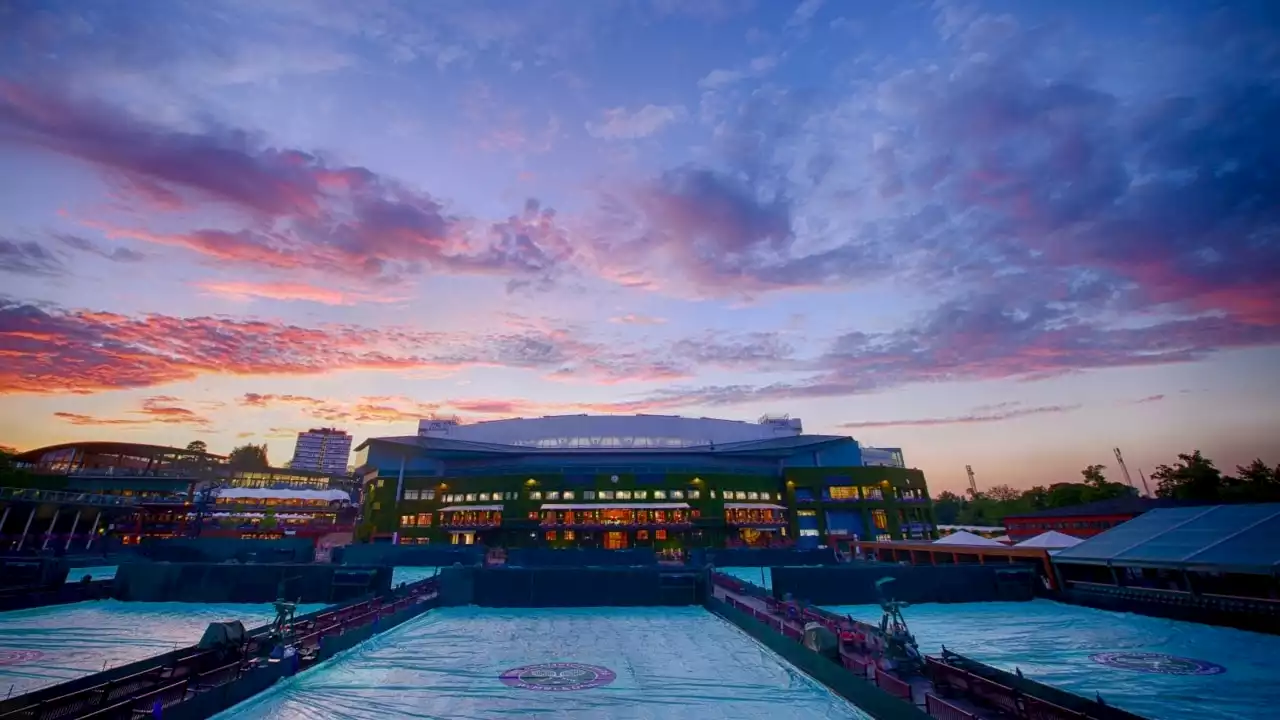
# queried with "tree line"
point(1193, 478)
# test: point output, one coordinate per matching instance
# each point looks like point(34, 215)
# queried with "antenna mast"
point(1124, 468)
point(1145, 489)
point(973, 484)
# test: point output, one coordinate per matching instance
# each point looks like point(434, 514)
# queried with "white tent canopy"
point(1003, 540)
point(967, 539)
point(1051, 539)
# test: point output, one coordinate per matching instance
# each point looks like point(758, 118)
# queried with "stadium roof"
point(114, 448)
point(781, 446)
point(1131, 505)
point(1230, 538)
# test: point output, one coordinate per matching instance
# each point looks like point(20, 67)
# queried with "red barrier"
point(893, 685)
point(1037, 709)
point(994, 694)
point(943, 710)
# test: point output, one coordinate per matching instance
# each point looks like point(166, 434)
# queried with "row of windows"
point(863, 492)
point(594, 495)
point(810, 532)
point(660, 534)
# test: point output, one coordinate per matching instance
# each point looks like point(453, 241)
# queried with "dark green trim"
point(869, 698)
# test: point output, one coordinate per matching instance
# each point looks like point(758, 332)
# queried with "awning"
point(460, 508)
point(752, 506)
point(618, 506)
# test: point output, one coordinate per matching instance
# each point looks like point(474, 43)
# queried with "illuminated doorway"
point(615, 541)
point(463, 538)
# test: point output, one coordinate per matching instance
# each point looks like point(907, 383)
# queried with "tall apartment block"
point(324, 450)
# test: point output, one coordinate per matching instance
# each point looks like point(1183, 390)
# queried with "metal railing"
point(65, 497)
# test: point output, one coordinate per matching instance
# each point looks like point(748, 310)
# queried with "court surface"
point(52, 644)
point(1123, 657)
point(469, 663)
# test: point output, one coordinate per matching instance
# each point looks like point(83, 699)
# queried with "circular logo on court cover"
point(557, 677)
point(1158, 663)
point(17, 657)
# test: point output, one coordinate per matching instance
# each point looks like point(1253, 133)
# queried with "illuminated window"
point(640, 494)
point(381, 482)
point(484, 497)
point(471, 497)
point(424, 519)
point(753, 496)
point(806, 513)
point(428, 495)
point(870, 492)
point(553, 495)
point(660, 534)
point(623, 495)
point(535, 495)
point(605, 494)
point(567, 495)
point(659, 494)
point(880, 519)
point(568, 534)
point(551, 534)
point(842, 492)
point(677, 494)
point(410, 494)
point(713, 494)
point(695, 494)
point(808, 532)
point(408, 521)
point(588, 494)
point(642, 534)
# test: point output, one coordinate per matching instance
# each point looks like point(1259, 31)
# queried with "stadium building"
point(625, 481)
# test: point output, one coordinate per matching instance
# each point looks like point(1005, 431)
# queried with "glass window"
point(588, 494)
point(567, 495)
point(642, 534)
point(382, 482)
point(623, 495)
point(753, 496)
point(424, 519)
point(677, 494)
point(553, 495)
point(606, 494)
point(640, 494)
point(880, 518)
point(568, 534)
point(713, 494)
point(428, 495)
point(808, 532)
point(408, 521)
point(842, 492)
point(551, 534)
point(535, 494)
point(660, 534)
point(695, 494)
point(484, 497)
point(471, 497)
point(410, 494)
point(659, 494)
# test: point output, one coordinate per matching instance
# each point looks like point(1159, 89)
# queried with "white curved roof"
point(235, 493)
point(612, 431)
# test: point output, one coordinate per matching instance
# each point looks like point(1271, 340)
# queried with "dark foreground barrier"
point(194, 683)
point(879, 703)
point(20, 598)
point(1013, 695)
point(855, 584)
point(766, 557)
point(235, 583)
point(1252, 614)
point(192, 550)
point(569, 587)
point(407, 555)
point(579, 558)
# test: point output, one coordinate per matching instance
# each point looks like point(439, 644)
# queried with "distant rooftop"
point(1232, 538)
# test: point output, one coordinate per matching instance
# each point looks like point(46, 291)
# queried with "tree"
point(946, 507)
point(1256, 482)
point(1003, 493)
point(1193, 477)
point(199, 446)
point(249, 457)
point(1093, 476)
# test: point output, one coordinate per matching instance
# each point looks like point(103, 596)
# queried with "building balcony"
point(597, 525)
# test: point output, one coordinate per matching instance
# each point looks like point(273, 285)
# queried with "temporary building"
point(966, 539)
point(1050, 540)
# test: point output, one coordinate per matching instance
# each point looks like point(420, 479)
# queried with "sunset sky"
point(1006, 234)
